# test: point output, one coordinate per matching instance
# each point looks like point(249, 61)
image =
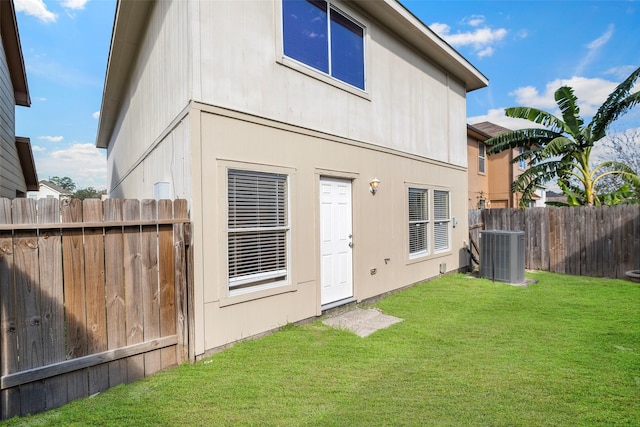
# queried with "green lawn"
point(565, 351)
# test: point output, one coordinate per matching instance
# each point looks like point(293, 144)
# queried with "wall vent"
point(502, 256)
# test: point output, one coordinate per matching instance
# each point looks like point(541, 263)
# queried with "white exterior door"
point(336, 261)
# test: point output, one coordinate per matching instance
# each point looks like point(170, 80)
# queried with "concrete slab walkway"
point(362, 322)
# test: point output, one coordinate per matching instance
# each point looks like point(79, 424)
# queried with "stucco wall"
point(478, 182)
point(229, 54)
point(158, 90)
point(409, 104)
point(380, 222)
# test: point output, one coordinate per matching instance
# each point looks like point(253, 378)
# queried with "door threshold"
point(338, 303)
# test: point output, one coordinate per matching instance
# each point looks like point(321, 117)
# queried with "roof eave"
point(411, 29)
point(129, 23)
point(27, 163)
point(13, 51)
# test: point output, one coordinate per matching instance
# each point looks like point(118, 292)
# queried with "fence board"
point(166, 276)
point(95, 293)
point(150, 286)
point(133, 287)
point(590, 241)
point(74, 293)
point(52, 302)
point(9, 398)
point(182, 275)
point(115, 292)
point(28, 303)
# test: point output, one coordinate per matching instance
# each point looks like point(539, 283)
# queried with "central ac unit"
point(502, 256)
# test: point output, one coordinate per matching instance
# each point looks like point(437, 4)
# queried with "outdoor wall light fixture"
point(373, 185)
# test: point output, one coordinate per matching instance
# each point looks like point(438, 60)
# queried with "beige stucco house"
point(491, 176)
point(17, 167)
point(276, 120)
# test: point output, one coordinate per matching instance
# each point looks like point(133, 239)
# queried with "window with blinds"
point(258, 229)
point(418, 222)
point(441, 221)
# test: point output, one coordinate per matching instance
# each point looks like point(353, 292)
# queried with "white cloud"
point(486, 52)
point(621, 72)
point(440, 28)
point(35, 8)
point(96, 115)
point(498, 117)
point(474, 20)
point(74, 4)
point(52, 138)
point(593, 48)
point(85, 164)
point(37, 149)
point(480, 39)
point(591, 93)
point(41, 99)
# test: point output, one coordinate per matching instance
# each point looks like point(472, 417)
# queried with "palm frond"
point(558, 146)
point(520, 138)
point(568, 103)
point(618, 103)
point(537, 116)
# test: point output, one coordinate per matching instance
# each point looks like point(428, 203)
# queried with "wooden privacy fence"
point(93, 294)
point(601, 241)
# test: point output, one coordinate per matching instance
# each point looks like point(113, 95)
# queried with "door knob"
point(350, 244)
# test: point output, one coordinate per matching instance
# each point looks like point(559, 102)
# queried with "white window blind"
point(258, 228)
point(441, 220)
point(418, 221)
point(481, 157)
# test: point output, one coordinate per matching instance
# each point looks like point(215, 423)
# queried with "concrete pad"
point(362, 322)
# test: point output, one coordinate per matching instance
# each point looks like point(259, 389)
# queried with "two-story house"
point(491, 176)
point(49, 190)
point(17, 167)
point(320, 144)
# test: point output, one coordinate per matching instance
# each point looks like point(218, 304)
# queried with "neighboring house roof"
point(25, 154)
point(491, 129)
point(131, 17)
point(13, 51)
point(476, 133)
point(55, 187)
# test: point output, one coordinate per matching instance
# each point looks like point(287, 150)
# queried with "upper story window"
point(320, 36)
point(482, 155)
point(522, 163)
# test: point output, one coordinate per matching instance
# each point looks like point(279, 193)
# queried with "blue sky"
point(527, 49)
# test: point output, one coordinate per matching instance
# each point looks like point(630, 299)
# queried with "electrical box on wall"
point(502, 256)
point(162, 190)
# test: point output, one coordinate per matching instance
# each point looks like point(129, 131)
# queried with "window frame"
point(319, 74)
point(445, 220)
point(482, 158)
point(426, 223)
point(261, 280)
point(522, 163)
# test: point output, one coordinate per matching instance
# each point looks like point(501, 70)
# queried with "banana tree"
point(561, 150)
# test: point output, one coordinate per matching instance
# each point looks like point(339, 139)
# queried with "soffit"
point(25, 155)
point(13, 51)
point(413, 31)
point(129, 24)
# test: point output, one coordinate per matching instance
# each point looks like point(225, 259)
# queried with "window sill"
point(426, 258)
point(325, 78)
point(258, 294)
